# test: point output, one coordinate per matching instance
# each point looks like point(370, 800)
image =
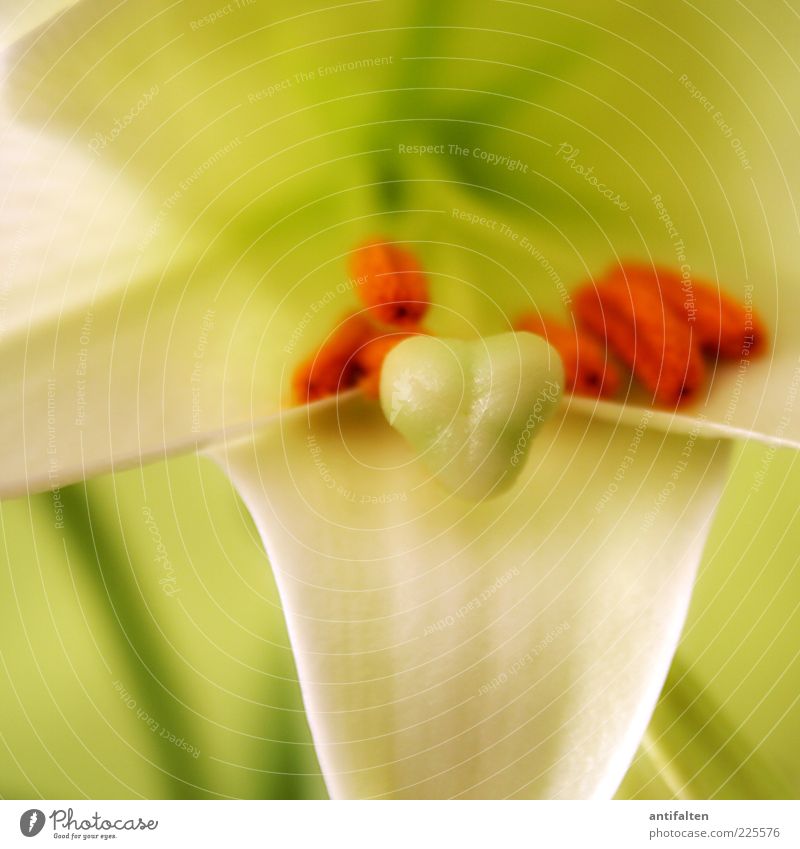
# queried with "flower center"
point(647, 320)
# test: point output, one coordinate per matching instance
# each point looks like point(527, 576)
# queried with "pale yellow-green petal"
point(258, 96)
point(124, 335)
point(495, 90)
point(513, 648)
point(20, 18)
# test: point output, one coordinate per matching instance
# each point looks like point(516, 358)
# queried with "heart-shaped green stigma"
point(471, 409)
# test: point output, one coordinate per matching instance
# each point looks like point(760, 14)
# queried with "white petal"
point(20, 18)
point(126, 332)
point(514, 648)
point(162, 89)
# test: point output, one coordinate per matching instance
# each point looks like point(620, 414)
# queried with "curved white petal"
point(206, 255)
point(20, 18)
point(260, 97)
point(513, 648)
point(128, 332)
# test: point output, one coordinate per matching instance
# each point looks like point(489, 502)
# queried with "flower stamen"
point(390, 283)
point(721, 325)
point(646, 335)
point(587, 368)
point(393, 287)
point(335, 366)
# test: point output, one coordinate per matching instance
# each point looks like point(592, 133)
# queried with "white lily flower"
point(182, 184)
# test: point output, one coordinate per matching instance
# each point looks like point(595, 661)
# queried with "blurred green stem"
point(690, 751)
point(94, 544)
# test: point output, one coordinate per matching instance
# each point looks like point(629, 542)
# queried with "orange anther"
point(370, 359)
point(334, 367)
point(587, 369)
point(720, 324)
point(646, 335)
point(390, 282)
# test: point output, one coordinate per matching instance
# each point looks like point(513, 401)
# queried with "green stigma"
point(471, 408)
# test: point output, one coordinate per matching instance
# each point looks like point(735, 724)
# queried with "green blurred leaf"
point(197, 641)
point(726, 725)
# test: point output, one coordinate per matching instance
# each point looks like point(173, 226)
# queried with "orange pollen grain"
point(646, 335)
point(722, 326)
point(335, 366)
point(390, 283)
point(587, 369)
